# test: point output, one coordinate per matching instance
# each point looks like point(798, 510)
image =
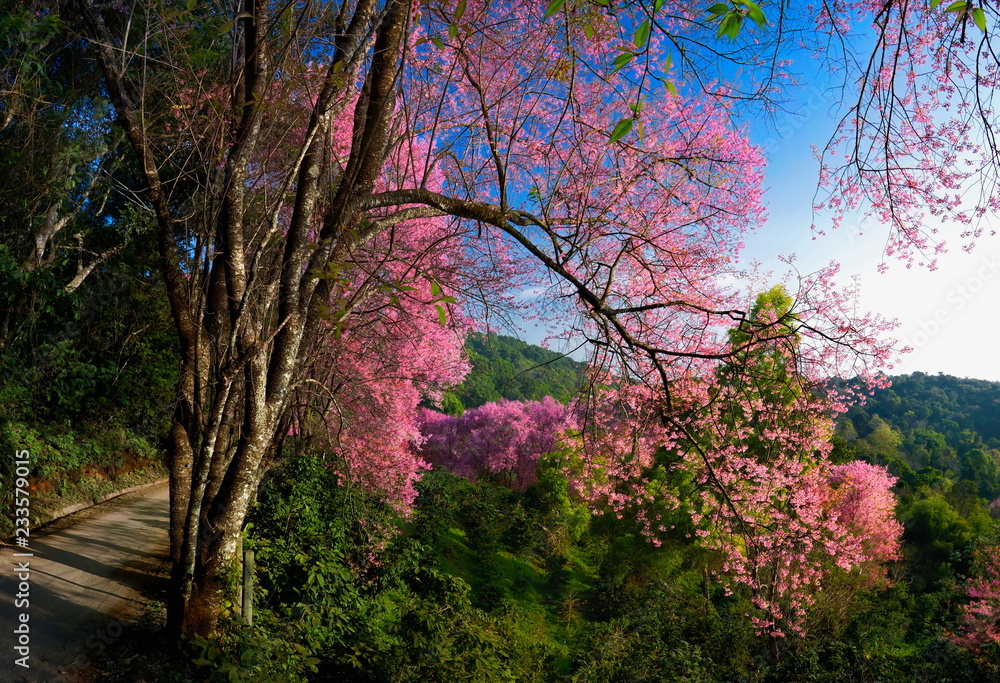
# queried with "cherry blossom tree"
point(338, 189)
point(752, 439)
point(862, 502)
point(506, 439)
point(979, 619)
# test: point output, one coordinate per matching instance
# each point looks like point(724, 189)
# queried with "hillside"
point(927, 425)
point(496, 584)
point(505, 367)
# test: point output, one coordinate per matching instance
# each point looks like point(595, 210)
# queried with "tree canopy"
point(334, 194)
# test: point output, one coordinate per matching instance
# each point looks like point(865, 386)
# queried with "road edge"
point(65, 512)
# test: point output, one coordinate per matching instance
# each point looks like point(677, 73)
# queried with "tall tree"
point(324, 173)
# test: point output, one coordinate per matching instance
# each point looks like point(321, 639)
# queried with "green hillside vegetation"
point(925, 425)
point(485, 584)
point(941, 436)
point(87, 382)
point(507, 368)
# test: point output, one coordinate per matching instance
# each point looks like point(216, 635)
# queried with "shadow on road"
point(88, 577)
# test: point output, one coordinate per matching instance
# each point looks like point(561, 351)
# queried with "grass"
point(541, 599)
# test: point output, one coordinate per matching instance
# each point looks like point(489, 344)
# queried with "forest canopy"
point(257, 235)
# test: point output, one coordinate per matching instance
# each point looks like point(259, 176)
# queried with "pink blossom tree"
point(505, 440)
point(755, 443)
point(338, 189)
point(979, 619)
point(862, 502)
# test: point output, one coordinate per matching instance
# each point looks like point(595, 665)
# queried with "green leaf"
point(641, 34)
point(442, 315)
point(718, 10)
point(453, 31)
point(228, 26)
point(730, 26)
point(959, 6)
point(554, 7)
point(435, 289)
point(623, 128)
point(979, 16)
point(191, 4)
point(935, 3)
point(671, 87)
point(621, 60)
point(755, 14)
point(658, 5)
point(588, 31)
point(758, 17)
point(734, 29)
point(438, 42)
point(459, 11)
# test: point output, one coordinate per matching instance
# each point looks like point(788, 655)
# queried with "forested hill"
point(505, 367)
point(921, 426)
point(946, 404)
point(930, 426)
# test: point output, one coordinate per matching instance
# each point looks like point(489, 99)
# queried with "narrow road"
point(89, 574)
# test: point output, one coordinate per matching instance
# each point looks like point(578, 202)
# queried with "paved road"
point(90, 573)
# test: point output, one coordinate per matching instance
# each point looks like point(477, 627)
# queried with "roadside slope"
point(90, 573)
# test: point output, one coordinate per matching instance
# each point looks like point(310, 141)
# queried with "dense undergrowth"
point(481, 583)
point(484, 584)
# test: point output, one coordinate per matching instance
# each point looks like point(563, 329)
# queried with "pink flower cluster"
point(979, 619)
point(504, 440)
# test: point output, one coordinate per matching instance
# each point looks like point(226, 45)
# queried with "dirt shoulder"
point(89, 575)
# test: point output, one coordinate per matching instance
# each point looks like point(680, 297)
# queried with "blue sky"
point(950, 316)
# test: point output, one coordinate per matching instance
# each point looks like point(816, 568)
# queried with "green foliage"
point(936, 539)
point(451, 404)
point(484, 584)
point(104, 352)
point(329, 610)
point(507, 368)
point(731, 17)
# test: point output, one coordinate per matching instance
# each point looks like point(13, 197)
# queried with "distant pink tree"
point(979, 619)
point(863, 504)
point(505, 439)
